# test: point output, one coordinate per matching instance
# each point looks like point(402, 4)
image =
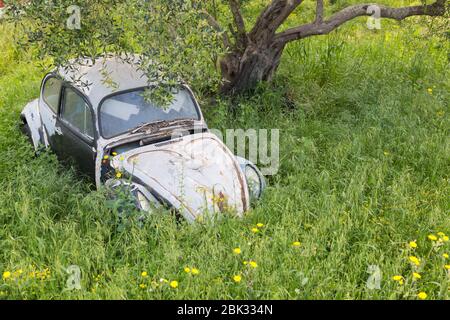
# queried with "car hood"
point(197, 174)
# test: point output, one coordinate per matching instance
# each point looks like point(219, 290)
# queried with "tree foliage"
point(172, 37)
point(182, 40)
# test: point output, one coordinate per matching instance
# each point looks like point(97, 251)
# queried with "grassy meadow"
point(363, 180)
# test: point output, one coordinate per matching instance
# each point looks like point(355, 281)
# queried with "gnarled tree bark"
point(255, 55)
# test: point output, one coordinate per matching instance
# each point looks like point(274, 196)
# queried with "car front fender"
point(30, 116)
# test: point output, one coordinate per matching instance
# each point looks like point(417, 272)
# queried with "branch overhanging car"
point(164, 155)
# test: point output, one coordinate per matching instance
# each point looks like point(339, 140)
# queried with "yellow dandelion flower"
point(6, 275)
point(118, 175)
point(422, 295)
point(187, 269)
point(195, 271)
point(296, 244)
point(447, 266)
point(441, 234)
point(432, 237)
point(445, 255)
point(17, 273)
point(253, 264)
point(144, 274)
point(414, 260)
point(114, 154)
point(106, 157)
point(237, 278)
point(430, 90)
point(255, 230)
point(416, 275)
point(260, 225)
point(445, 238)
point(174, 284)
point(237, 250)
point(397, 278)
point(142, 286)
point(413, 244)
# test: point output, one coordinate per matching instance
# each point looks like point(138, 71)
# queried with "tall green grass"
point(364, 170)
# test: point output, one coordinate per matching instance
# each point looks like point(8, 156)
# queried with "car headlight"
point(144, 200)
point(144, 203)
point(253, 181)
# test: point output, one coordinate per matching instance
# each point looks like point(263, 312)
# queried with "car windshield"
point(126, 111)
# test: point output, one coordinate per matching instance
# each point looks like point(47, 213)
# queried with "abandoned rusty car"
point(167, 156)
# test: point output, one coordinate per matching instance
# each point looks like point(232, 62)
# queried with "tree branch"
point(319, 11)
point(311, 29)
point(272, 17)
point(216, 26)
point(239, 22)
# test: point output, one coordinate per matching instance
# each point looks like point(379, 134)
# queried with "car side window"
point(51, 92)
point(76, 112)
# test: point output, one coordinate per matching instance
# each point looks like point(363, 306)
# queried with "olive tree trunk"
point(242, 71)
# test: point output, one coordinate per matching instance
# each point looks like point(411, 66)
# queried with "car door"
point(76, 122)
point(48, 108)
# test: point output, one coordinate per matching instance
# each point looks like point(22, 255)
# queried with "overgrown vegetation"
point(364, 171)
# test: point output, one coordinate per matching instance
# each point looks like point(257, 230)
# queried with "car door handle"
point(58, 131)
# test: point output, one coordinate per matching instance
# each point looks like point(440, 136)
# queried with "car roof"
point(104, 76)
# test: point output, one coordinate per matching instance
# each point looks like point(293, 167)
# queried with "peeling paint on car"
point(188, 170)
